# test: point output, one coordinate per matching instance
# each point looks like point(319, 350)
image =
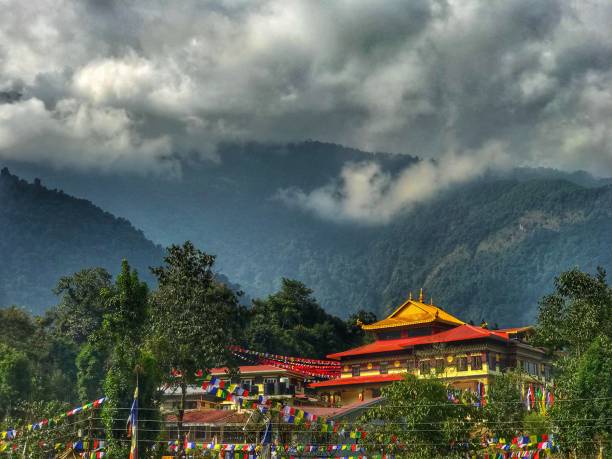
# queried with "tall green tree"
point(123, 326)
point(417, 420)
point(51, 356)
point(193, 318)
point(15, 378)
point(581, 416)
point(91, 363)
point(575, 323)
point(79, 312)
point(504, 413)
point(355, 321)
point(291, 322)
point(17, 327)
point(579, 310)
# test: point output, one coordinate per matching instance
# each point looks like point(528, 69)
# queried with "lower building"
point(213, 426)
point(276, 383)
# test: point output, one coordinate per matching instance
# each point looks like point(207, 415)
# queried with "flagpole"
point(136, 430)
point(133, 424)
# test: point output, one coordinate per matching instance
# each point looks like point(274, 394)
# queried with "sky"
point(134, 86)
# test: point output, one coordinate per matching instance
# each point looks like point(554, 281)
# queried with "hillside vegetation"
point(46, 234)
point(488, 249)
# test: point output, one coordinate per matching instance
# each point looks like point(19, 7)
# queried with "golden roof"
point(414, 312)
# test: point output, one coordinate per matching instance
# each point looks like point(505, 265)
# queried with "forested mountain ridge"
point(491, 249)
point(46, 234)
point(486, 249)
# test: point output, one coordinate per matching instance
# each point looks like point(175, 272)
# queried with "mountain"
point(46, 234)
point(487, 249)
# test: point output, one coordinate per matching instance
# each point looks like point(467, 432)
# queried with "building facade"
point(426, 341)
point(276, 383)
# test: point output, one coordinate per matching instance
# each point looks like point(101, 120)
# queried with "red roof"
point(461, 333)
point(358, 380)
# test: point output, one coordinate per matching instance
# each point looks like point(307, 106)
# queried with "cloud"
point(365, 193)
point(87, 136)
point(421, 77)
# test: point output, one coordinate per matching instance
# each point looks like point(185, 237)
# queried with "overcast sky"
point(132, 85)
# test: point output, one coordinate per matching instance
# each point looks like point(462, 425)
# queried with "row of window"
point(533, 368)
point(461, 364)
point(425, 366)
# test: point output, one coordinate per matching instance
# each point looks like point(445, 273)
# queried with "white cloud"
point(78, 134)
point(365, 193)
point(418, 77)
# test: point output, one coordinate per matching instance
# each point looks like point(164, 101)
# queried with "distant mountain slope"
point(487, 249)
point(491, 249)
point(46, 234)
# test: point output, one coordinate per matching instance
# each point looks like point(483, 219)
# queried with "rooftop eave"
point(380, 326)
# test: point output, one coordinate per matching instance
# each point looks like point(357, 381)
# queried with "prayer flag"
point(133, 426)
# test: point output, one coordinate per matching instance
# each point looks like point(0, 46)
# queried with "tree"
point(51, 356)
point(79, 313)
point(503, 414)
point(291, 322)
point(16, 327)
point(354, 322)
point(91, 369)
point(416, 419)
point(41, 443)
point(581, 416)
point(575, 322)
point(193, 319)
point(55, 368)
point(123, 325)
point(577, 312)
point(15, 378)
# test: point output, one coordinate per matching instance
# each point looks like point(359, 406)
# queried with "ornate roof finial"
point(410, 296)
point(431, 300)
point(421, 295)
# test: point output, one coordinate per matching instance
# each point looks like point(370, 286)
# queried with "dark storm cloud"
point(126, 85)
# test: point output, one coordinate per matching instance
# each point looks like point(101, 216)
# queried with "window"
point(410, 365)
point(390, 335)
point(462, 363)
point(423, 331)
point(384, 368)
point(531, 368)
point(269, 380)
point(439, 366)
point(492, 362)
point(356, 370)
point(477, 362)
point(425, 367)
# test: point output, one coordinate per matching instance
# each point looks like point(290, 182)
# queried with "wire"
point(62, 426)
point(491, 402)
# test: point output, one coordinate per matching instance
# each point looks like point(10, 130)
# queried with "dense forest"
point(46, 234)
point(487, 249)
point(104, 329)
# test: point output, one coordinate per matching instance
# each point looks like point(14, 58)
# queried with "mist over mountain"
point(488, 247)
